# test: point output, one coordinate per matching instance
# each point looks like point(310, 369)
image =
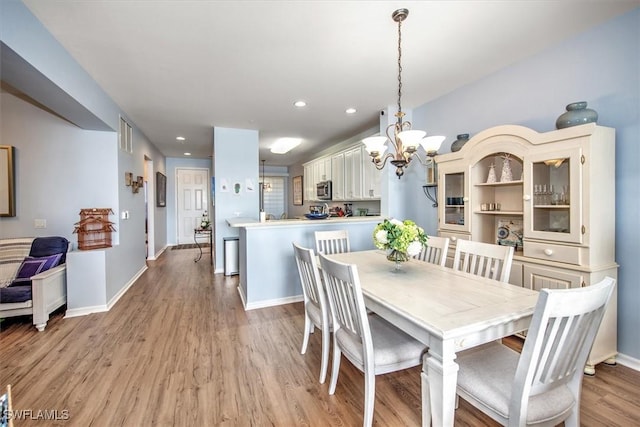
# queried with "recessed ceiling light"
point(350, 110)
point(180, 138)
point(187, 154)
point(283, 145)
point(300, 104)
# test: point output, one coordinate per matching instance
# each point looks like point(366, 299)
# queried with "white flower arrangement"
point(405, 236)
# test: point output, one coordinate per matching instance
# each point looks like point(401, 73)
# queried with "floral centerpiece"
point(401, 238)
point(204, 222)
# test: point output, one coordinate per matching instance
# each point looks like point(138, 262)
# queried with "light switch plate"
point(40, 223)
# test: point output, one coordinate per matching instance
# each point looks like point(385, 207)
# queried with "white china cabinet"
point(551, 196)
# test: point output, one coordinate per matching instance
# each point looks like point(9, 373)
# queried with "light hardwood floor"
point(179, 350)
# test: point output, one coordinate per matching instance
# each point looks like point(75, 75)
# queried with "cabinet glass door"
point(454, 215)
point(555, 188)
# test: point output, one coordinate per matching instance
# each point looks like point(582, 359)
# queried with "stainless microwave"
point(323, 190)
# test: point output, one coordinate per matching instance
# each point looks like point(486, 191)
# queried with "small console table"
point(197, 232)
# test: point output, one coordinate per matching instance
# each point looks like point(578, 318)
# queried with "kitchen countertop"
point(254, 223)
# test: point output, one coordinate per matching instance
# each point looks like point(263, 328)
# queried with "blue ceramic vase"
point(577, 114)
point(463, 138)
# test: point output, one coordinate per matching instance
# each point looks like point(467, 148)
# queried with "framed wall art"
point(7, 181)
point(161, 190)
point(297, 190)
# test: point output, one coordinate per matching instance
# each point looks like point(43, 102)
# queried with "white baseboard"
point(83, 311)
point(244, 302)
point(158, 254)
point(628, 361)
point(126, 287)
point(271, 302)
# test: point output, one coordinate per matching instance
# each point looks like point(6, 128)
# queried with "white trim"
point(125, 288)
point(271, 302)
point(218, 271)
point(83, 311)
point(159, 253)
point(628, 361)
point(244, 302)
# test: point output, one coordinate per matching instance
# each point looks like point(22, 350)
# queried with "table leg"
point(195, 239)
point(439, 379)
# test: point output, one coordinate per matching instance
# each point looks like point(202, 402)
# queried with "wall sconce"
point(128, 178)
point(431, 184)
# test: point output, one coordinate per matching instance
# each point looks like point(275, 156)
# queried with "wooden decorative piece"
point(94, 228)
point(7, 182)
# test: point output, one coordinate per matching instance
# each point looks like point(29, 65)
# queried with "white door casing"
point(192, 193)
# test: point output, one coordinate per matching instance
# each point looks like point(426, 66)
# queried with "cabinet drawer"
point(453, 238)
point(552, 252)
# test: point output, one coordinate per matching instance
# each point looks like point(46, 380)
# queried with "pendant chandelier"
point(404, 140)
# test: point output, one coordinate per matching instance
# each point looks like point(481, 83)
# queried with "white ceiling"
point(183, 67)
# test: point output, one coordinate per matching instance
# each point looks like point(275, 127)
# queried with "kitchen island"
point(268, 271)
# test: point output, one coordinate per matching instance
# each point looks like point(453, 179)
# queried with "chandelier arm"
point(379, 164)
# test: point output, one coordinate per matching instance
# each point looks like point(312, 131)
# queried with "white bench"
point(48, 288)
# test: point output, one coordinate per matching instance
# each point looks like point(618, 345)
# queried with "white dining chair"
point(370, 343)
point(435, 251)
point(542, 385)
point(332, 242)
point(483, 259)
point(316, 308)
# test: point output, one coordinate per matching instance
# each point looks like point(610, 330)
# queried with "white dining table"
point(447, 310)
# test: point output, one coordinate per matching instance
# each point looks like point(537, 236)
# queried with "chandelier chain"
point(399, 66)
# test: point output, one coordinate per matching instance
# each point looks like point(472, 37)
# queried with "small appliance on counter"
point(348, 211)
point(316, 209)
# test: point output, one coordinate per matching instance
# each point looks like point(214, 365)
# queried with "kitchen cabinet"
point(315, 171)
point(337, 176)
point(551, 196)
point(371, 185)
point(353, 174)
point(309, 182)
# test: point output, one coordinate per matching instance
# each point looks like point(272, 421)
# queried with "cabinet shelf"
point(552, 206)
point(498, 184)
point(510, 213)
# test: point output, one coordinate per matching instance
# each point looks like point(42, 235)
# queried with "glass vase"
point(398, 258)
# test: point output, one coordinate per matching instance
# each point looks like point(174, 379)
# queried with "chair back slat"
point(483, 259)
point(332, 242)
point(309, 275)
point(435, 252)
point(345, 296)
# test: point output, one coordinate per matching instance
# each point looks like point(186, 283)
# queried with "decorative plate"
point(316, 216)
point(503, 232)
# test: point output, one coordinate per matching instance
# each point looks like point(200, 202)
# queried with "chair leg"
point(325, 354)
point(369, 397)
point(307, 325)
point(574, 418)
point(335, 369)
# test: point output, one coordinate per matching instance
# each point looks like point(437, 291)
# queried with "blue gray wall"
point(235, 161)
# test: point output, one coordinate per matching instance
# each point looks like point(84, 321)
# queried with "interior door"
point(192, 190)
